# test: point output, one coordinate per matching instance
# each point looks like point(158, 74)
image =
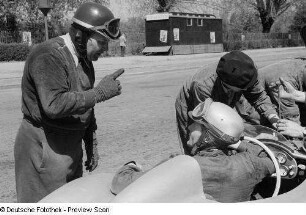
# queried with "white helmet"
point(223, 124)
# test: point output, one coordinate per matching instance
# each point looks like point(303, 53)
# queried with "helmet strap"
point(79, 37)
point(204, 142)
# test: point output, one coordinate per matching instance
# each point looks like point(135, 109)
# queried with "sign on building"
point(163, 36)
point(176, 34)
point(212, 37)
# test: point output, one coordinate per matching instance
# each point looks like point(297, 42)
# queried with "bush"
point(14, 52)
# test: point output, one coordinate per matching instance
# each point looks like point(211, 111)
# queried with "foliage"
point(13, 52)
point(30, 18)
point(270, 10)
point(142, 8)
point(165, 5)
point(299, 18)
point(249, 14)
point(241, 18)
point(238, 18)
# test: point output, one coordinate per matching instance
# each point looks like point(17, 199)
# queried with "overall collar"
point(71, 47)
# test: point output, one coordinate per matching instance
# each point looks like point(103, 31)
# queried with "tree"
point(165, 5)
point(299, 19)
point(30, 18)
point(7, 17)
point(270, 10)
point(239, 17)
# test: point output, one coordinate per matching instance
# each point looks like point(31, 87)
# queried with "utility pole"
point(45, 6)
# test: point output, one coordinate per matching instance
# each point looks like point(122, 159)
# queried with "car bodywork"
point(179, 179)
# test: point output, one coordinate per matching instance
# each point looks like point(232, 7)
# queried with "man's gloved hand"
point(108, 87)
point(91, 148)
point(92, 158)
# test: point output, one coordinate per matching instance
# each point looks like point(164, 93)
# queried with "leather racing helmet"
point(221, 121)
point(97, 18)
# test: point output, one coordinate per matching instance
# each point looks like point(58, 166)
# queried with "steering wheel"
point(270, 153)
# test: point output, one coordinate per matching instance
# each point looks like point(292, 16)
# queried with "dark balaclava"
point(79, 37)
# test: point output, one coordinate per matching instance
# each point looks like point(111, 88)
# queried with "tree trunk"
point(267, 23)
point(265, 16)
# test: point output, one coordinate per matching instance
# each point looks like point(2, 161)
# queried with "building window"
point(200, 22)
point(189, 22)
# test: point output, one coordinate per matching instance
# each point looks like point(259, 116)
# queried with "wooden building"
point(183, 33)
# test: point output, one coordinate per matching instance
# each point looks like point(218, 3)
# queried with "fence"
point(10, 37)
point(260, 40)
point(136, 41)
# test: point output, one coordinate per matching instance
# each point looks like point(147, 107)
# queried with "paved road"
point(139, 124)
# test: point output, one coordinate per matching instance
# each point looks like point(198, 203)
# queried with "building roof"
point(196, 7)
point(167, 15)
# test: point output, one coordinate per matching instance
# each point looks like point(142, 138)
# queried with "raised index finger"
point(282, 81)
point(117, 73)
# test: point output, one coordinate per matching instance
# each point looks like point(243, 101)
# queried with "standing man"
point(58, 99)
point(226, 81)
point(122, 41)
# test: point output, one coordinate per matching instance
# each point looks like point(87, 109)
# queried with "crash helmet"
point(223, 125)
point(97, 18)
point(237, 71)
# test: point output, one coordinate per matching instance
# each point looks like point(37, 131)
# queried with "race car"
point(179, 179)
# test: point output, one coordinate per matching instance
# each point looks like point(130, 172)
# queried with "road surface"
point(137, 125)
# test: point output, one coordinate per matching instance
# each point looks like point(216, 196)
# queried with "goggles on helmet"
point(199, 115)
point(110, 29)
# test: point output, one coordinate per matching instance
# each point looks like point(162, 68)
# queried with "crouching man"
point(230, 168)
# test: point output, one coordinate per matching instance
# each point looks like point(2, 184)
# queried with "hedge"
point(136, 43)
point(14, 51)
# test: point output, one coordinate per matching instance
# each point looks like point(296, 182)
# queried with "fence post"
point(243, 42)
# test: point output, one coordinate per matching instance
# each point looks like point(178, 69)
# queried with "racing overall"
point(57, 103)
point(294, 71)
point(227, 175)
point(230, 176)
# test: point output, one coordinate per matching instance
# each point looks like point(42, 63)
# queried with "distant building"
point(183, 33)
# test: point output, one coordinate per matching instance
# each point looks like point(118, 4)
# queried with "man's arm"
point(287, 91)
point(91, 145)
point(50, 77)
point(262, 103)
point(51, 81)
